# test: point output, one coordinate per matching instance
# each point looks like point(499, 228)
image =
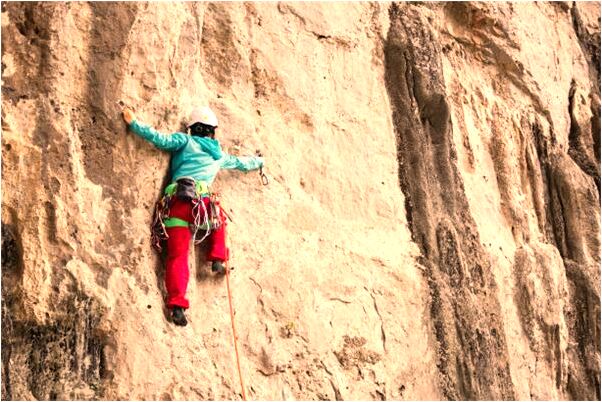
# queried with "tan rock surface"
point(430, 231)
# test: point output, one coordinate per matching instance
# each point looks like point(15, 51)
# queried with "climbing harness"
point(234, 336)
point(206, 218)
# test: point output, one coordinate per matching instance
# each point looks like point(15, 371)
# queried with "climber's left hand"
point(128, 115)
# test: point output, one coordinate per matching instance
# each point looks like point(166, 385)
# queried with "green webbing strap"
point(202, 189)
point(171, 189)
point(180, 223)
point(175, 223)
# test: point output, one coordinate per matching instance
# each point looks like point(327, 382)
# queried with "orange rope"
point(242, 385)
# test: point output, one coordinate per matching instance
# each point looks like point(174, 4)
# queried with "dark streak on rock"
point(465, 312)
point(581, 142)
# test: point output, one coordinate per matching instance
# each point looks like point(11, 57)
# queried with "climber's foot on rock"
point(178, 317)
point(218, 267)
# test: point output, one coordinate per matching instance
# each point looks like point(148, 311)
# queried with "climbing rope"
point(206, 222)
point(197, 219)
point(242, 385)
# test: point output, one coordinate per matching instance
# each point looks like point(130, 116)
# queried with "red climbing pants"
point(177, 273)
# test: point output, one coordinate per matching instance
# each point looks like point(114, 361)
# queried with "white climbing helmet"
point(203, 115)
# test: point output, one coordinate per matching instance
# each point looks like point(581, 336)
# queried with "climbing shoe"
point(178, 317)
point(218, 267)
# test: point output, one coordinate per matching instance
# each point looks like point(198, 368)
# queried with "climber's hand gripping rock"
point(128, 115)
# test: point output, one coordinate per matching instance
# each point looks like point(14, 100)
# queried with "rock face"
point(431, 229)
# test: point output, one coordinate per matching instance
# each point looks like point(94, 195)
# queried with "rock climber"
point(196, 158)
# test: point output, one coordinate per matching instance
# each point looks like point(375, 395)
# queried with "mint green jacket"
point(198, 157)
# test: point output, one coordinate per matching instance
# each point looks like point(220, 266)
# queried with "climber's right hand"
point(128, 115)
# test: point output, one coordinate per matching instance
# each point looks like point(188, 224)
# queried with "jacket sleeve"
point(243, 163)
point(167, 142)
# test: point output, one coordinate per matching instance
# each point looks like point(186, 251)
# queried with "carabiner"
point(264, 178)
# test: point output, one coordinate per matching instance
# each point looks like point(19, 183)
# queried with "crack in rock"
point(382, 325)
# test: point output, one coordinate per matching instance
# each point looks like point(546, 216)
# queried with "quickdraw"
point(215, 208)
point(262, 176)
point(158, 229)
point(211, 217)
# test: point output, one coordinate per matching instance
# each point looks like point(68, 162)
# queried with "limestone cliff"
point(431, 229)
